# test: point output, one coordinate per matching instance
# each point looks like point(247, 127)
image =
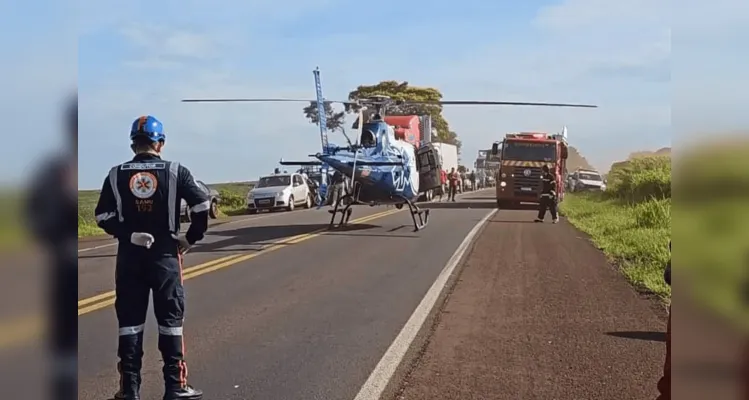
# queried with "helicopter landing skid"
point(423, 215)
point(345, 211)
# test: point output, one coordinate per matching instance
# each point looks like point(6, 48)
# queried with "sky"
point(658, 74)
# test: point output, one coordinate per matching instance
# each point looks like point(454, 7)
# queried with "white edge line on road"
point(385, 369)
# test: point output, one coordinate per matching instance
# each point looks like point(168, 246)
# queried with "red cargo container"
point(406, 127)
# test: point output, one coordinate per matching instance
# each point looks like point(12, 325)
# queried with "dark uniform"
point(142, 197)
point(548, 198)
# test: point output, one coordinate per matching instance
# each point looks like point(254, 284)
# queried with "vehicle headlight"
point(503, 183)
point(504, 175)
point(280, 195)
point(250, 196)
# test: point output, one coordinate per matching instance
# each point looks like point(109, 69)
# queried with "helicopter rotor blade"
point(245, 100)
point(497, 103)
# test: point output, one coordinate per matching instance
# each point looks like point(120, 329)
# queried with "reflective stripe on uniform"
point(132, 330)
point(117, 197)
point(170, 330)
point(172, 196)
point(105, 216)
point(204, 206)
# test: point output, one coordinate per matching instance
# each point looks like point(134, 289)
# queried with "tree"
point(402, 91)
point(334, 120)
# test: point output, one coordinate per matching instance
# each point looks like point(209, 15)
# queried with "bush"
point(640, 179)
point(231, 199)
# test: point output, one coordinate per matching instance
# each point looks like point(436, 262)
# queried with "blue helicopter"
point(379, 168)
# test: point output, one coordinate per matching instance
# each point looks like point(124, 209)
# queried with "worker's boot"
point(130, 351)
point(185, 393)
point(130, 380)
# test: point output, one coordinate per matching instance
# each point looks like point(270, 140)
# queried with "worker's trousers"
point(547, 203)
point(140, 271)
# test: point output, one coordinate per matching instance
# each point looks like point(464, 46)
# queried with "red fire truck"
point(522, 155)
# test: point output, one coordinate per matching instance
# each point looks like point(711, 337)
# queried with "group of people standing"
point(454, 182)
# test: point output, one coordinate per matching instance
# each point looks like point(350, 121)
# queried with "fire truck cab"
point(522, 155)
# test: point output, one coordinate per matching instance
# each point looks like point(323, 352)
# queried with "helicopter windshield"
point(367, 135)
point(529, 151)
point(273, 181)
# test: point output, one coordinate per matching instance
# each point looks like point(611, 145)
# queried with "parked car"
point(586, 180)
point(279, 191)
point(215, 201)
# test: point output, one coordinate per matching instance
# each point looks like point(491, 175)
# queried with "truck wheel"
point(213, 211)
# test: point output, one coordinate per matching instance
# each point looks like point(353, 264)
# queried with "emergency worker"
point(453, 178)
point(139, 205)
point(548, 198)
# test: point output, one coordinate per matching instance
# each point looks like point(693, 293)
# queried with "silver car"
point(215, 201)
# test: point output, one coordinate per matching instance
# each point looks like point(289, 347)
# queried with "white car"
point(584, 180)
point(279, 191)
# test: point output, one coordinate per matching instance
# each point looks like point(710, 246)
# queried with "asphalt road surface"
point(537, 313)
point(297, 313)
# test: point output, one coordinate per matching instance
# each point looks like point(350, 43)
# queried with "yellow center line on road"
point(100, 301)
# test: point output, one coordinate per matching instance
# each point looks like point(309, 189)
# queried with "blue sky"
point(142, 57)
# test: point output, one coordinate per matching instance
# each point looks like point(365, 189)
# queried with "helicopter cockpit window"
point(367, 138)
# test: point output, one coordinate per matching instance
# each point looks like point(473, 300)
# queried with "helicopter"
point(380, 168)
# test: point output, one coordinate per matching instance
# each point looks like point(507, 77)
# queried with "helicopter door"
point(428, 165)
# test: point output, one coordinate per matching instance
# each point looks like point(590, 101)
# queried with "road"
point(298, 314)
point(538, 313)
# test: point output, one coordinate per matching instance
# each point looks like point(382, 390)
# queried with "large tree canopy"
point(402, 91)
point(396, 91)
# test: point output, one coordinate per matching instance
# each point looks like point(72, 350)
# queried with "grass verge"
point(633, 236)
point(631, 221)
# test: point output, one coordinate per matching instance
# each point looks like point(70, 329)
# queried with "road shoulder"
point(537, 313)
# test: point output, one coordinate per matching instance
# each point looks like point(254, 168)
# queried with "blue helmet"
point(149, 127)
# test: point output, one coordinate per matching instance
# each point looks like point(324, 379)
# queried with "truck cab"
point(523, 156)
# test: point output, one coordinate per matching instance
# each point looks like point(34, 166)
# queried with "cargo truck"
point(522, 156)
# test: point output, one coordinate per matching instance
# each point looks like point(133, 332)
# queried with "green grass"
point(631, 221)
point(232, 196)
point(634, 236)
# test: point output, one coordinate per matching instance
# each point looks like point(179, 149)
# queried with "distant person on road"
point(472, 177)
point(454, 180)
point(548, 198)
point(664, 384)
point(443, 183)
point(139, 205)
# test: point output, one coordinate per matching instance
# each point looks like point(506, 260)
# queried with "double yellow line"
point(100, 301)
